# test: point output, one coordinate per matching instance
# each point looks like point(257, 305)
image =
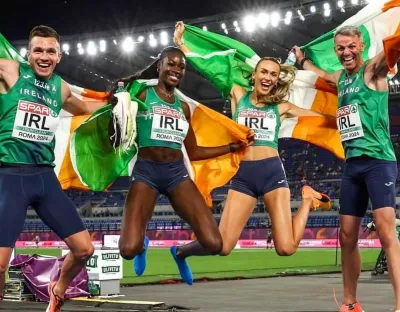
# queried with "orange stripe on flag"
point(319, 131)
point(67, 176)
point(325, 103)
point(91, 95)
point(214, 129)
point(322, 85)
point(391, 46)
point(390, 5)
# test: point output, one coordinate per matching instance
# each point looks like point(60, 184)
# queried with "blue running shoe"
point(184, 269)
point(139, 262)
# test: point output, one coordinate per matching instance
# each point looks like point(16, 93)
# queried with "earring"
point(252, 81)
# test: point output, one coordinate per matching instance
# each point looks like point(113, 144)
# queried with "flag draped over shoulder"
point(85, 158)
point(93, 156)
point(379, 23)
point(225, 61)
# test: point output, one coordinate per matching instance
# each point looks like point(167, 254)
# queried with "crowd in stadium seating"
point(303, 162)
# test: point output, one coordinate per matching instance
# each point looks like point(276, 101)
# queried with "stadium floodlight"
point(263, 20)
point(103, 46)
point(237, 29)
point(327, 13)
point(127, 44)
point(288, 17)
point(275, 18)
point(340, 4)
point(205, 28)
point(65, 47)
point(249, 23)
point(91, 48)
point(223, 25)
point(313, 9)
point(140, 38)
point(164, 38)
point(23, 52)
point(152, 41)
point(327, 6)
point(235, 24)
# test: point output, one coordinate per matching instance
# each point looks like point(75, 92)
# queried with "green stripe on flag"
point(222, 60)
point(94, 158)
point(7, 51)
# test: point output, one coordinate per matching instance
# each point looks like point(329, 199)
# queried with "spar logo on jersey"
point(35, 122)
point(168, 118)
point(256, 119)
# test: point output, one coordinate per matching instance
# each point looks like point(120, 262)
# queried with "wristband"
point(303, 60)
point(232, 147)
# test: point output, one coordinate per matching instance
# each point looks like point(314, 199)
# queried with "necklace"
point(168, 95)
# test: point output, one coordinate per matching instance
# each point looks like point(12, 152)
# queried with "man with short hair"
point(370, 170)
point(31, 98)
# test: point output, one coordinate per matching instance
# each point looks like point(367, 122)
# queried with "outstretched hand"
point(299, 53)
point(179, 30)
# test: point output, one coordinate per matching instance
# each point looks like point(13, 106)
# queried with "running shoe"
point(355, 307)
point(319, 200)
point(139, 262)
point(55, 301)
point(184, 269)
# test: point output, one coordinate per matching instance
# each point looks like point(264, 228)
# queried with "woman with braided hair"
point(160, 166)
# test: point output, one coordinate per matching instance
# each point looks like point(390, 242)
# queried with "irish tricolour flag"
point(225, 62)
point(85, 158)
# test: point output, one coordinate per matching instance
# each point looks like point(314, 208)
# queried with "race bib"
point(262, 123)
point(168, 125)
point(35, 122)
point(349, 122)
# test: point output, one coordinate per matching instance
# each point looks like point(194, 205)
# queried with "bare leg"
point(385, 221)
point(237, 211)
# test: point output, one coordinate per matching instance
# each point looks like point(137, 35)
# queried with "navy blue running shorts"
point(160, 176)
point(365, 178)
point(39, 188)
point(258, 177)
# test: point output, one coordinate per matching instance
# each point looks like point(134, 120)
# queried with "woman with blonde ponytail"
point(261, 172)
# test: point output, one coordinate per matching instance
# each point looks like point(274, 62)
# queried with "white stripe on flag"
point(63, 135)
point(210, 55)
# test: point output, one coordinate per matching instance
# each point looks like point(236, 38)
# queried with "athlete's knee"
point(84, 252)
point(226, 250)
point(213, 245)
point(130, 249)
point(388, 237)
point(285, 250)
point(3, 269)
point(348, 239)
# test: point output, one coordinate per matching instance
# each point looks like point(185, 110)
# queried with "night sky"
point(70, 17)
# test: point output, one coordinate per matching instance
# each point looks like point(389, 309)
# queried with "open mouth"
point(43, 65)
point(173, 77)
point(265, 85)
point(348, 60)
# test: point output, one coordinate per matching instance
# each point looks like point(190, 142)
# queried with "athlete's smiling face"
point(266, 76)
point(349, 50)
point(44, 55)
point(172, 68)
